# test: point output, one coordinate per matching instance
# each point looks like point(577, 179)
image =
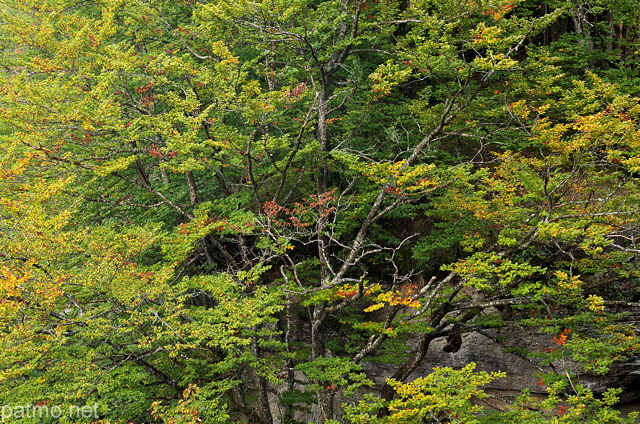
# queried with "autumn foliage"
point(258, 212)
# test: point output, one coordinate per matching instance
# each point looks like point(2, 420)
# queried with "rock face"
point(487, 350)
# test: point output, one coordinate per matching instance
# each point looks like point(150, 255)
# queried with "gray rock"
point(491, 352)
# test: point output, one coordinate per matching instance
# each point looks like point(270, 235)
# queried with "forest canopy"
point(266, 211)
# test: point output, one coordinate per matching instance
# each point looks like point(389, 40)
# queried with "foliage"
point(235, 211)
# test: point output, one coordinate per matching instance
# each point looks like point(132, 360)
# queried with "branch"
point(490, 303)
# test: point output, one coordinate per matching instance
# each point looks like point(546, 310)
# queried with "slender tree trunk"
point(165, 176)
point(142, 174)
point(323, 111)
point(193, 194)
point(263, 408)
point(325, 399)
point(582, 26)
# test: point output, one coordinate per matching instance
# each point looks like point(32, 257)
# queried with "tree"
point(207, 203)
